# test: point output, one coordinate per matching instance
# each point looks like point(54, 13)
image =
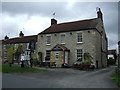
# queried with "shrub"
point(111, 61)
point(36, 62)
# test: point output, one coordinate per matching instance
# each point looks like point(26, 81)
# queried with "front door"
point(66, 57)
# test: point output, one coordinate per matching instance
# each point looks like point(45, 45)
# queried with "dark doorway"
point(97, 64)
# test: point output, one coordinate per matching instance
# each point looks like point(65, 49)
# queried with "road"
point(60, 78)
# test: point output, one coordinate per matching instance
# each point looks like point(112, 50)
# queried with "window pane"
point(48, 52)
point(56, 55)
point(62, 38)
point(48, 39)
point(79, 54)
point(79, 37)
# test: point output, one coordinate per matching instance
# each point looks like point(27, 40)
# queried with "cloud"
point(36, 24)
point(12, 25)
point(34, 17)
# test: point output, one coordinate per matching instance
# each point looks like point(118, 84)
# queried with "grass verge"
point(18, 69)
point(116, 78)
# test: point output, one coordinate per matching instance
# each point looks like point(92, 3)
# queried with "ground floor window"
point(47, 55)
point(5, 54)
point(57, 56)
point(79, 54)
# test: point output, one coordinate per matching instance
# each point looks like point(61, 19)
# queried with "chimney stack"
point(6, 37)
point(99, 14)
point(53, 21)
point(21, 34)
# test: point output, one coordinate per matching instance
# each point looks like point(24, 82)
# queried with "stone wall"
point(58, 61)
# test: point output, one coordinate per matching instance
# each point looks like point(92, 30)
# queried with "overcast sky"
point(34, 17)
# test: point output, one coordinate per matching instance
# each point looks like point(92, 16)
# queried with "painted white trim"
point(48, 44)
point(48, 35)
point(79, 42)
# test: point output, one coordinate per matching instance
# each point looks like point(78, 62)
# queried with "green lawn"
point(18, 69)
point(116, 78)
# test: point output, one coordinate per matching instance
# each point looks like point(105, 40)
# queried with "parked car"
point(66, 65)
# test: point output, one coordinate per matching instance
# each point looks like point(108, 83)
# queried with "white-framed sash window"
point(79, 54)
point(79, 37)
point(62, 38)
point(48, 40)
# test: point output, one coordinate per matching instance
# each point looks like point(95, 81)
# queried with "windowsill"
point(48, 44)
point(79, 42)
point(63, 43)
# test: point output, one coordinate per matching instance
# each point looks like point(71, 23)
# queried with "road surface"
point(60, 78)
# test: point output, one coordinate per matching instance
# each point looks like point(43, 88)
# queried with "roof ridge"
point(21, 37)
point(77, 21)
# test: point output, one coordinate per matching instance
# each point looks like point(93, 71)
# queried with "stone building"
point(67, 42)
point(28, 44)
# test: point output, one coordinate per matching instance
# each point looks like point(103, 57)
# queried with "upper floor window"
point(62, 39)
point(15, 46)
point(48, 40)
point(79, 37)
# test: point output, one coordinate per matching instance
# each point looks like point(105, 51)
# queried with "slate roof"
point(24, 39)
point(72, 26)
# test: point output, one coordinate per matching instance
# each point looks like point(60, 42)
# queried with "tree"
point(10, 53)
point(18, 52)
point(87, 56)
point(115, 57)
point(40, 56)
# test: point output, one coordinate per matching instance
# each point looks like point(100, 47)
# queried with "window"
point(47, 55)
point(79, 54)
point(63, 39)
point(48, 52)
point(5, 54)
point(5, 46)
point(48, 40)
point(79, 37)
point(57, 56)
point(16, 46)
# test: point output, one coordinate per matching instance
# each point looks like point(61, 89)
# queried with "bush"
point(111, 61)
point(86, 65)
point(36, 62)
